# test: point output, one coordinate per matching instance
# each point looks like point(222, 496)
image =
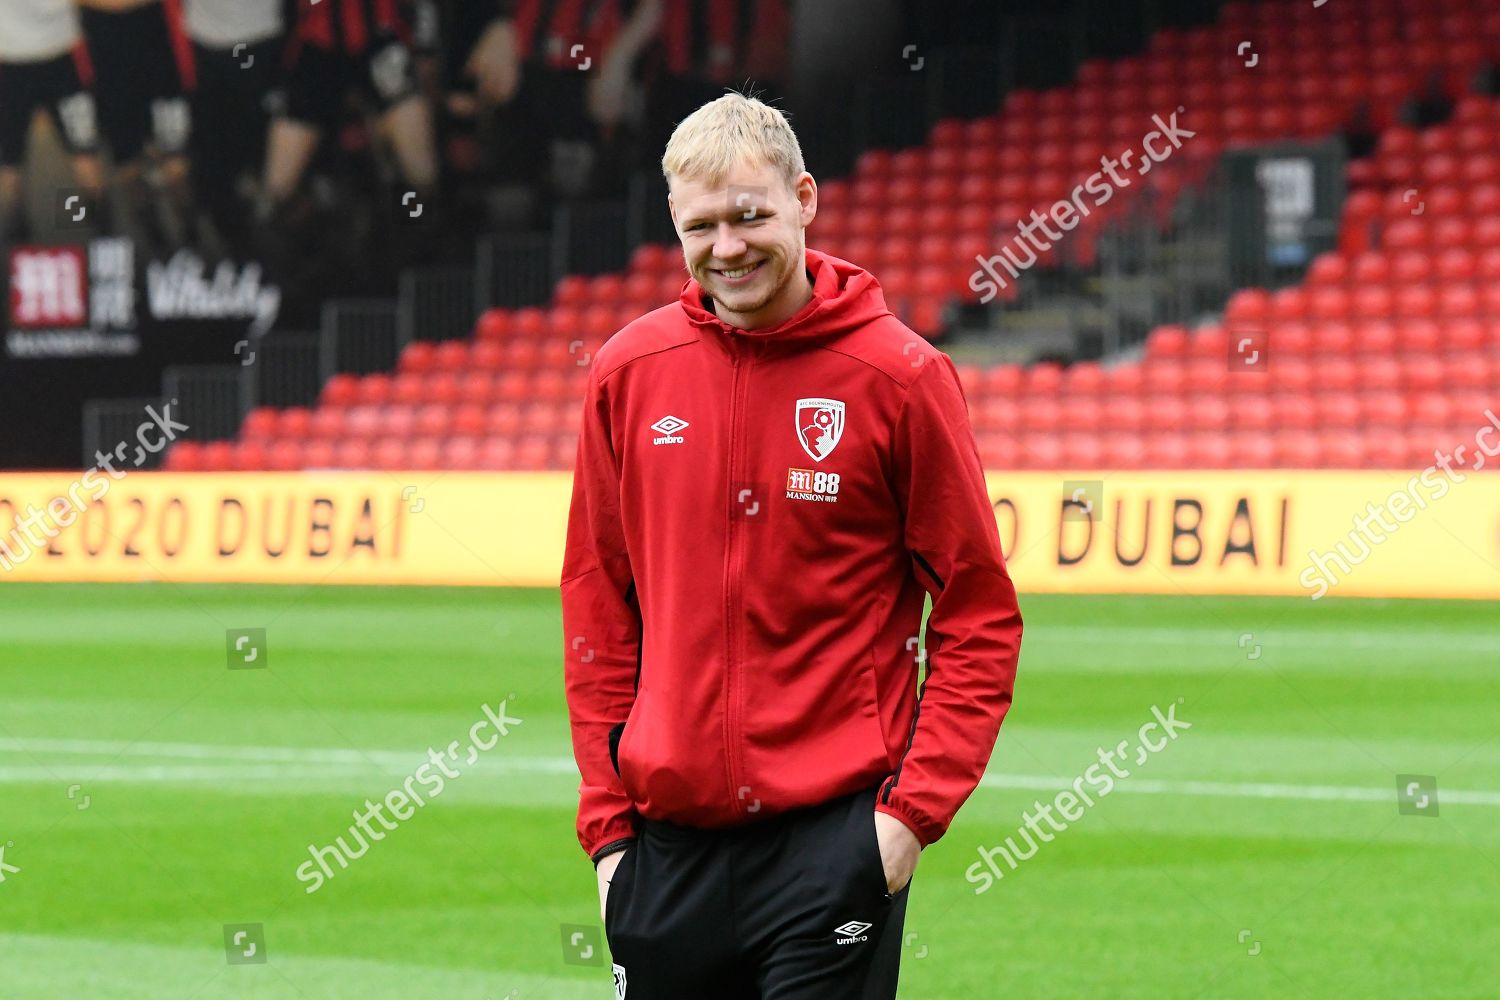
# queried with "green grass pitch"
point(150, 796)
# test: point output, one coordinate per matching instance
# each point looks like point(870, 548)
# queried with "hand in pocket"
point(899, 851)
point(606, 872)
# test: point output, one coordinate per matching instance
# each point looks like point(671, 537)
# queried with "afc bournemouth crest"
point(619, 981)
point(820, 424)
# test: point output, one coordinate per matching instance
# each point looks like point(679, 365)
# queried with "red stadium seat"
point(425, 453)
point(284, 456)
point(521, 356)
point(184, 456)
point(260, 424)
point(1288, 304)
point(318, 455)
point(294, 422)
point(1341, 449)
point(417, 356)
point(327, 424)
point(1409, 267)
point(996, 413)
point(1084, 379)
point(503, 419)
point(1330, 268)
point(351, 453)
point(469, 419)
point(1457, 264)
point(408, 387)
point(364, 420)
point(1251, 450)
point(494, 324)
point(1251, 412)
point(570, 290)
point(1459, 302)
point(1464, 335)
point(1208, 413)
point(486, 355)
point(1432, 410)
point(1167, 342)
point(1248, 306)
point(451, 355)
point(443, 387)
point(496, 453)
point(998, 450)
point(1337, 409)
point(1370, 268)
point(433, 419)
point(1166, 450)
point(1297, 449)
point(460, 453)
point(1039, 413)
point(375, 388)
point(530, 322)
point(397, 421)
point(1163, 376)
point(475, 385)
point(1414, 302)
point(340, 390)
point(650, 258)
point(1328, 304)
point(387, 453)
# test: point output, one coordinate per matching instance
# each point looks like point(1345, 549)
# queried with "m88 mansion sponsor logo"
point(809, 484)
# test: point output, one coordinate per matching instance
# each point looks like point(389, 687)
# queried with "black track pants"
point(791, 908)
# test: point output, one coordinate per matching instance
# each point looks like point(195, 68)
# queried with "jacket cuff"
point(927, 831)
point(613, 847)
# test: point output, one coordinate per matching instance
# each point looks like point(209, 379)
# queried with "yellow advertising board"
point(1314, 534)
point(1298, 533)
point(497, 529)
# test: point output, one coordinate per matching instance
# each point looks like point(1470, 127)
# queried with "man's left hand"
point(899, 851)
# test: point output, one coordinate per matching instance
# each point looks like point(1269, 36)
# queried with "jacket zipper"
point(731, 588)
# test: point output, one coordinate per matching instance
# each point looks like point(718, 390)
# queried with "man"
point(143, 64)
point(550, 80)
point(339, 50)
point(708, 44)
point(237, 48)
point(42, 68)
point(772, 472)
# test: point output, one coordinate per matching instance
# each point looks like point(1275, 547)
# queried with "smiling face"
point(742, 240)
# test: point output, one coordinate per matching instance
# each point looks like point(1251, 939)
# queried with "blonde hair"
point(732, 129)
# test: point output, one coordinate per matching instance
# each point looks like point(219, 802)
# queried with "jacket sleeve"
point(601, 630)
point(974, 627)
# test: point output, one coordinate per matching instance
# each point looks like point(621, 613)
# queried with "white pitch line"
point(405, 761)
point(208, 751)
point(1238, 790)
point(1289, 638)
point(303, 763)
point(179, 772)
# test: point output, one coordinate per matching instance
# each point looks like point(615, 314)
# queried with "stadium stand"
point(1382, 346)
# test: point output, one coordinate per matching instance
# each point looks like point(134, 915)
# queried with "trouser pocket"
point(624, 872)
point(864, 846)
point(668, 930)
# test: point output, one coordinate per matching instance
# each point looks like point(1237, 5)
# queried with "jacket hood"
point(844, 297)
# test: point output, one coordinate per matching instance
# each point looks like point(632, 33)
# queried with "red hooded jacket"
point(756, 516)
